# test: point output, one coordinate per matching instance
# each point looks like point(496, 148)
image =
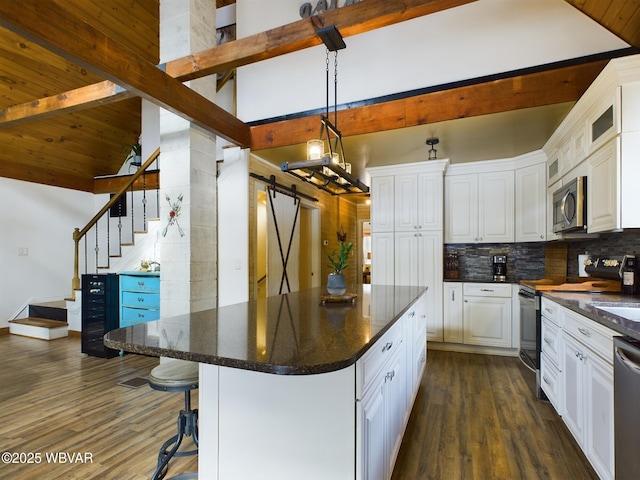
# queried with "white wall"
point(41, 219)
point(481, 38)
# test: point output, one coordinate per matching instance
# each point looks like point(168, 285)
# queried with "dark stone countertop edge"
point(259, 366)
point(585, 304)
point(236, 363)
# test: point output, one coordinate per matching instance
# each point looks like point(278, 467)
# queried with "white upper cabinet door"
point(603, 206)
point(496, 207)
point(418, 202)
point(531, 204)
point(461, 208)
point(382, 209)
point(430, 196)
point(406, 202)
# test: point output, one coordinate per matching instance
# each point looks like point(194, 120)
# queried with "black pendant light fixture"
point(327, 169)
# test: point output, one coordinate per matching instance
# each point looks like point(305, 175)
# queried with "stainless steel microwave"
point(570, 206)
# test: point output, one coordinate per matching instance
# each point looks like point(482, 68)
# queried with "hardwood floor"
point(55, 399)
point(475, 417)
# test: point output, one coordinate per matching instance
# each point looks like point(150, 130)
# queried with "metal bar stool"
point(177, 376)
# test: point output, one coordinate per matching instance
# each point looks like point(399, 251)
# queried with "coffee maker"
point(499, 268)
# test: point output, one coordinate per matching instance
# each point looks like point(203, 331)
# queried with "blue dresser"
point(139, 297)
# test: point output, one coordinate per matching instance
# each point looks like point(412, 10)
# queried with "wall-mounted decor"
point(174, 213)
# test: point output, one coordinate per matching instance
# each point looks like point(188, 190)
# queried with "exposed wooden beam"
point(44, 175)
point(532, 90)
point(151, 181)
point(350, 20)
point(68, 36)
point(82, 98)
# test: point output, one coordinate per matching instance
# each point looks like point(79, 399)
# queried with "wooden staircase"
point(46, 321)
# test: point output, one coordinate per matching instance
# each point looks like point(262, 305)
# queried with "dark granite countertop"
point(585, 304)
point(288, 334)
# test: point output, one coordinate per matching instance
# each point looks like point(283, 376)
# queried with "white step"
point(41, 328)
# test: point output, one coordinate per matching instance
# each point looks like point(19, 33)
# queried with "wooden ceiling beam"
point(532, 90)
point(353, 19)
point(66, 35)
point(350, 20)
point(78, 99)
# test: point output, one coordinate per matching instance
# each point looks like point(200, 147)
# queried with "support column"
point(188, 172)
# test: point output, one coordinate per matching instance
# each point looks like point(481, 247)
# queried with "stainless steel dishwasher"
point(625, 403)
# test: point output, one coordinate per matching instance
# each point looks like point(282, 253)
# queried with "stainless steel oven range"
point(530, 331)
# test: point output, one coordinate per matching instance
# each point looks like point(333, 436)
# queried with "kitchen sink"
point(630, 313)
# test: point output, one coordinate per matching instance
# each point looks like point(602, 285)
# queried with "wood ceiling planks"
point(621, 17)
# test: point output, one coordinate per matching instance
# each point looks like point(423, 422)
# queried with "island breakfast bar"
point(291, 388)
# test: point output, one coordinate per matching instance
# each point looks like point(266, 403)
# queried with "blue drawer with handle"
point(139, 298)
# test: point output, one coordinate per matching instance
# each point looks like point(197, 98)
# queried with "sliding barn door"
point(283, 243)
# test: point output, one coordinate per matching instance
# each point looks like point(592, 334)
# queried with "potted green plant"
point(135, 153)
point(336, 283)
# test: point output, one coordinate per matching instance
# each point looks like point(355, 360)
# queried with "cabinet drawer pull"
point(141, 299)
point(486, 289)
point(586, 333)
point(547, 341)
point(546, 380)
point(549, 310)
point(141, 283)
point(389, 376)
point(387, 346)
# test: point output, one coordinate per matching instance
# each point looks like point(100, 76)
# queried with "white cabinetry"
point(531, 203)
point(487, 314)
point(612, 185)
point(577, 357)
point(601, 134)
point(479, 207)
point(603, 206)
point(406, 231)
point(382, 211)
point(551, 374)
point(452, 307)
point(388, 377)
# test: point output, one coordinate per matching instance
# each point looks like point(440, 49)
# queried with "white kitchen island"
point(293, 389)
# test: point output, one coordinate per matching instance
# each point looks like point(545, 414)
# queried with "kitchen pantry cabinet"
point(406, 231)
point(479, 207)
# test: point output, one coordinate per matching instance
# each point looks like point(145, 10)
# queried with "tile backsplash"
point(615, 244)
point(536, 260)
point(524, 260)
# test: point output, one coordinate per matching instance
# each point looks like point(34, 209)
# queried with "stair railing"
point(78, 234)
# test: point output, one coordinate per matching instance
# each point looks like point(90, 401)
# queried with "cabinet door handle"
point(586, 333)
point(453, 295)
